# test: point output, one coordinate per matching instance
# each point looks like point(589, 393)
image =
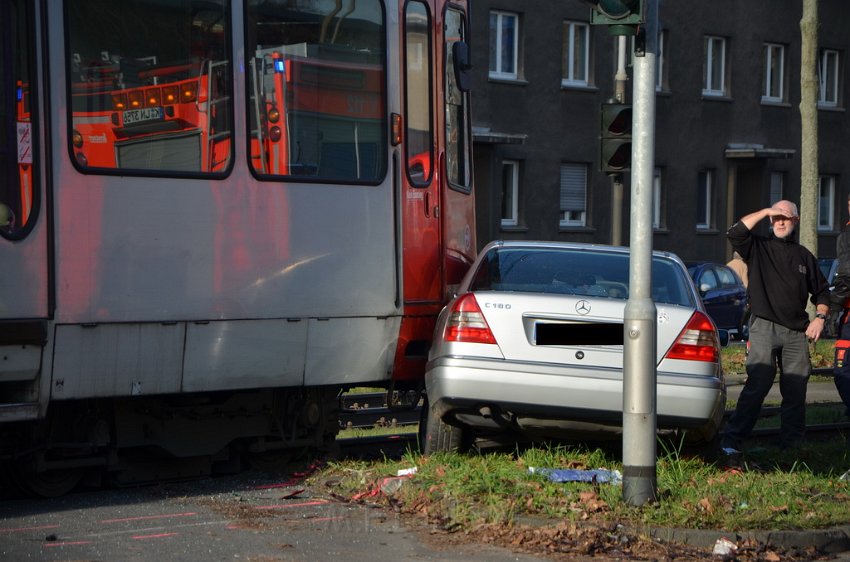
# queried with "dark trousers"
point(841, 369)
point(769, 343)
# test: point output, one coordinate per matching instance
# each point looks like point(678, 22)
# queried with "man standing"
point(782, 277)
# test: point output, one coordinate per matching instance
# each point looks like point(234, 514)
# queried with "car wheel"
point(436, 436)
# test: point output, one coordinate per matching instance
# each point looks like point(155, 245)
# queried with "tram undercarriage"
point(128, 441)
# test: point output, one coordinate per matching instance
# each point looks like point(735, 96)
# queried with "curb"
point(833, 540)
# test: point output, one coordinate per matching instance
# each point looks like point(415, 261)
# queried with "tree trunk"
point(809, 127)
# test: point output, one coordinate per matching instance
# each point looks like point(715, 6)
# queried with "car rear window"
point(575, 272)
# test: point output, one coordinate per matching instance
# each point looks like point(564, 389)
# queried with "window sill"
point(508, 81)
point(513, 228)
point(579, 87)
point(831, 108)
point(713, 97)
point(775, 103)
point(707, 231)
point(586, 229)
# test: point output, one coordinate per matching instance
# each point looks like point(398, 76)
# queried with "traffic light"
point(622, 16)
point(615, 138)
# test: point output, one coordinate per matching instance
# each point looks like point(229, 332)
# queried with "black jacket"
point(782, 276)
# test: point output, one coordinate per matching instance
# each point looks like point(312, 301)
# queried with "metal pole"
point(640, 330)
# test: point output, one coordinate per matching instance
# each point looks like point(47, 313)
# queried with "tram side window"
point(150, 86)
point(317, 81)
point(457, 108)
point(418, 134)
point(18, 195)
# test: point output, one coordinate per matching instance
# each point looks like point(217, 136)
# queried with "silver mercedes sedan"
point(532, 346)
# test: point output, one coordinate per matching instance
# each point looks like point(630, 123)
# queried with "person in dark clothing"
point(783, 275)
point(841, 300)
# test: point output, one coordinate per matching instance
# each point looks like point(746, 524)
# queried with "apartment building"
point(727, 121)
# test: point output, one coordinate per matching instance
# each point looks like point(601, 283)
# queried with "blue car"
point(723, 294)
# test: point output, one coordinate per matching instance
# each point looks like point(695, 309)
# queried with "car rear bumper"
point(476, 391)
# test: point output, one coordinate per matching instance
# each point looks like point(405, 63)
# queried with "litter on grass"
point(724, 547)
point(598, 476)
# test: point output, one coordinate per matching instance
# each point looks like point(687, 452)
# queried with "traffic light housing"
point(622, 16)
point(615, 138)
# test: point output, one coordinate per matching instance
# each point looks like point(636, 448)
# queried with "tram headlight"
point(77, 139)
point(119, 101)
point(274, 114)
point(136, 99)
point(170, 94)
point(274, 133)
point(82, 160)
point(189, 92)
point(153, 97)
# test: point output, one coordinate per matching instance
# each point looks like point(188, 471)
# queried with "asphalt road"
point(249, 517)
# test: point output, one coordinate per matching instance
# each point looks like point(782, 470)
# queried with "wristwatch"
point(820, 315)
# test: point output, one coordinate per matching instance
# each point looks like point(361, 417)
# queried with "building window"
point(714, 66)
point(659, 203)
point(510, 193)
point(575, 57)
point(573, 204)
point(705, 189)
point(504, 45)
point(777, 186)
point(828, 78)
point(773, 75)
point(826, 203)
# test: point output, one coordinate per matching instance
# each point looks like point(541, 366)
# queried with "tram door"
point(23, 236)
point(420, 170)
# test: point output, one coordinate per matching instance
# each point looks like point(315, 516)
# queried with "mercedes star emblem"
point(583, 307)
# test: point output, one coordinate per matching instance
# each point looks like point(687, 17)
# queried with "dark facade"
point(726, 145)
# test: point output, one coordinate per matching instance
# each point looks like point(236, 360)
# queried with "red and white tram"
point(215, 215)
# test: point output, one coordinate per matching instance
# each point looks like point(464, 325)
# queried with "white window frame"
point(705, 188)
point(828, 77)
point(773, 57)
point(714, 83)
point(569, 74)
point(573, 195)
point(826, 203)
point(510, 193)
point(496, 59)
point(777, 187)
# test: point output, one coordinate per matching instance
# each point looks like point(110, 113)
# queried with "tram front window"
point(317, 89)
point(150, 85)
point(18, 199)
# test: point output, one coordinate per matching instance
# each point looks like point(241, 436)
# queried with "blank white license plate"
point(133, 116)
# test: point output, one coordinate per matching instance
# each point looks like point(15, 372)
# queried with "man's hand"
point(815, 328)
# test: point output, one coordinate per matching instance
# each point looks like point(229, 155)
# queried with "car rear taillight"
point(466, 323)
point(697, 342)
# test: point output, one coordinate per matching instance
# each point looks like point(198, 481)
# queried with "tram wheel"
point(50, 484)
